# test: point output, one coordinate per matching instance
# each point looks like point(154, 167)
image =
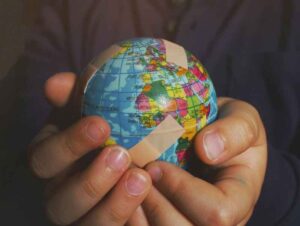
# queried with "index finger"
point(59, 88)
point(54, 151)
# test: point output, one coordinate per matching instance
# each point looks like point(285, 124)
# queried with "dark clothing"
point(250, 48)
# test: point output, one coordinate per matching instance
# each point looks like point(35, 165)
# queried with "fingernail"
point(136, 184)
point(117, 159)
point(155, 173)
point(213, 145)
point(95, 132)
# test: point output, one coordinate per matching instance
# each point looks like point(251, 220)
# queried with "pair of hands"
point(108, 191)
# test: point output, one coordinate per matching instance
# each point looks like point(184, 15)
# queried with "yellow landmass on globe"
point(190, 128)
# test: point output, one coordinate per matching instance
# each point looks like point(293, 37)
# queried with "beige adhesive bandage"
point(106, 55)
point(157, 142)
point(176, 54)
point(98, 62)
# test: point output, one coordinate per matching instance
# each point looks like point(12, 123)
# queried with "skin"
point(90, 188)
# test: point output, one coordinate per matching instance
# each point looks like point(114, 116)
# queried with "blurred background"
point(15, 17)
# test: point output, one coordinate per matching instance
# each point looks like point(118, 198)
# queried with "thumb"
point(238, 128)
point(59, 87)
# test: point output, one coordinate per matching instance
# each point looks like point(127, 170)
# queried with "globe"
point(136, 84)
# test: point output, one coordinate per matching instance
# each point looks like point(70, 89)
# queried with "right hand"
point(107, 191)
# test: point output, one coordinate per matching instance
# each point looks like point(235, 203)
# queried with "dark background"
point(15, 18)
point(16, 182)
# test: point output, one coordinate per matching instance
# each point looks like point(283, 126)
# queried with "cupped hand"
point(106, 191)
point(234, 150)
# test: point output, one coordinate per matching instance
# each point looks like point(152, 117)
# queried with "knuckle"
point(221, 216)
point(37, 167)
point(116, 216)
point(55, 217)
point(70, 146)
point(248, 129)
point(252, 109)
point(245, 130)
point(90, 188)
point(252, 116)
point(180, 186)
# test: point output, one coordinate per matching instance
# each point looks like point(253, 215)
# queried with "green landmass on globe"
point(138, 85)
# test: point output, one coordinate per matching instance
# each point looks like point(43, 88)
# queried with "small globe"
point(136, 84)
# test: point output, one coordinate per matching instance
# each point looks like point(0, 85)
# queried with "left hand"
point(83, 186)
point(235, 148)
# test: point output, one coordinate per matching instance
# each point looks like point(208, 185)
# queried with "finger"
point(238, 128)
point(247, 218)
point(63, 92)
point(122, 202)
point(59, 87)
point(54, 183)
point(160, 211)
point(45, 132)
point(82, 192)
point(138, 218)
point(227, 202)
point(79, 166)
point(56, 152)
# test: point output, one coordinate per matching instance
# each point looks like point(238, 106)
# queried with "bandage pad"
point(97, 63)
point(157, 142)
point(176, 54)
